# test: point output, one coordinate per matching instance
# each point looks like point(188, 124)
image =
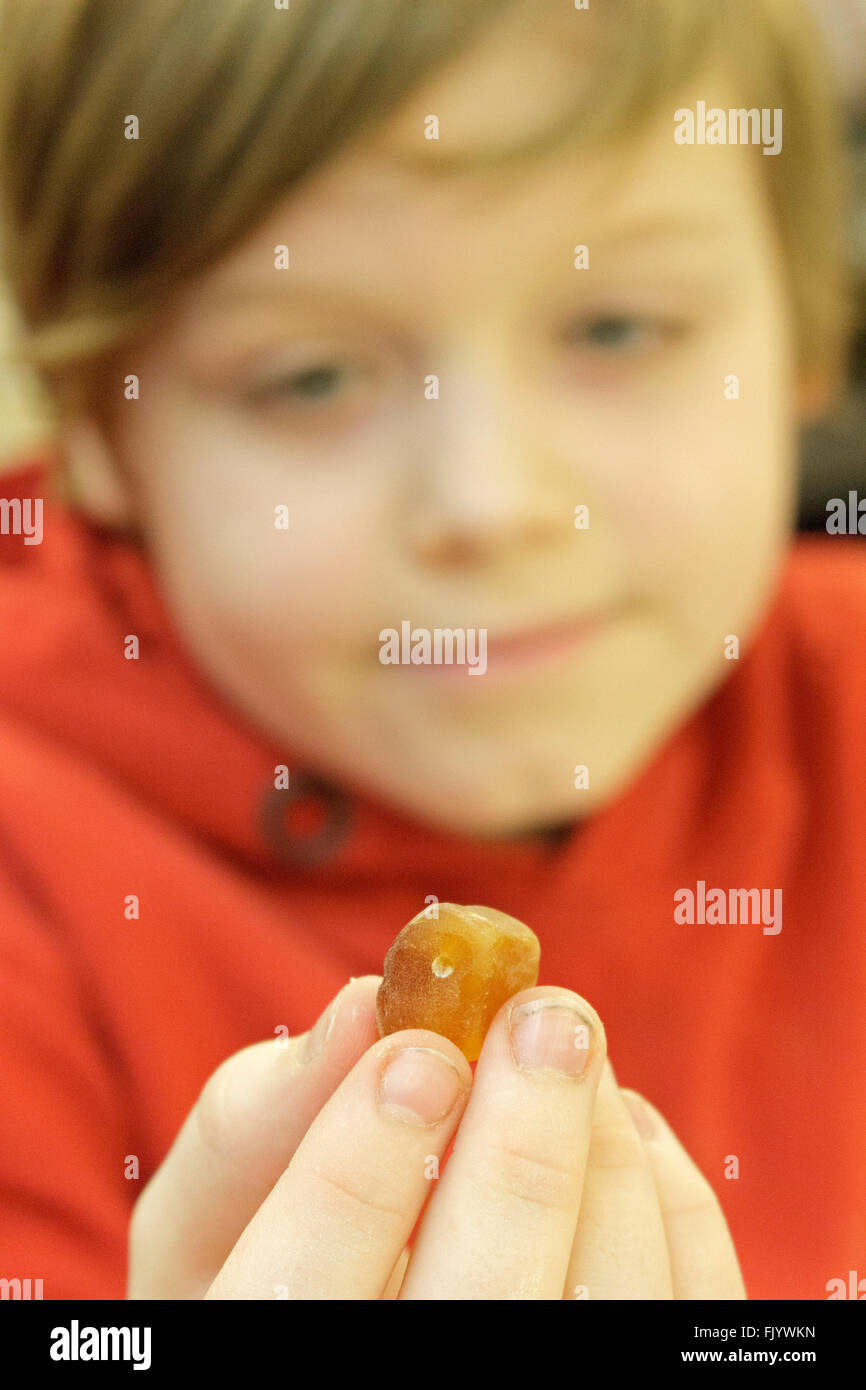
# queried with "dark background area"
point(833, 459)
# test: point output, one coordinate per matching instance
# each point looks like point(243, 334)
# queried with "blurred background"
point(833, 452)
point(833, 457)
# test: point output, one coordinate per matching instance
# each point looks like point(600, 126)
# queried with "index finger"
point(336, 1223)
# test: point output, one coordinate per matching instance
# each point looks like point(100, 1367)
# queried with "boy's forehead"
point(382, 205)
point(519, 74)
point(381, 194)
point(514, 80)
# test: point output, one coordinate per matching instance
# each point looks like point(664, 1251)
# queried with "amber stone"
point(453, 972)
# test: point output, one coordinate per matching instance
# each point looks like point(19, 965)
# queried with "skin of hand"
point(301, 1172)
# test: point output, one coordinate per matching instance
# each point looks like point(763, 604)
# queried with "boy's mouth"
point(532, 648)
point(502, 656)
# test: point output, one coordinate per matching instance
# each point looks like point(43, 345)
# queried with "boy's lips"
point(534, 647)
point(512, 655)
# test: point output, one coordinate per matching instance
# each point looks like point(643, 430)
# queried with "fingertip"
point(365, 981)
point(358, 999)
point(347, 1025)
point(569, 997)
point(425, 1037)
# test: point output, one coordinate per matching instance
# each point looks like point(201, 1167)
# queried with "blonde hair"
point(239, 100)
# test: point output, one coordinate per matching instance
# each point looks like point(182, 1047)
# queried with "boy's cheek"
point(287, 568)
point(729, 480)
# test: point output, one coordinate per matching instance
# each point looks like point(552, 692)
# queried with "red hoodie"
point(122, 777)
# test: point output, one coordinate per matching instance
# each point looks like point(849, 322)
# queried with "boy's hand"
point(292, 1179)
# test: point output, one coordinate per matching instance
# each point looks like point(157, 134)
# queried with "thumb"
point(236, 1142)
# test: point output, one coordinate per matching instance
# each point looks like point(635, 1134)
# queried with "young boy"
point(335, 380)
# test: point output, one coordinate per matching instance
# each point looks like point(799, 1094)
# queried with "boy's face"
point(558, 388)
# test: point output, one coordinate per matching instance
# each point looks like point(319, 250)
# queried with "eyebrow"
point(231, 294)
point(239, 292)
point(665, 226)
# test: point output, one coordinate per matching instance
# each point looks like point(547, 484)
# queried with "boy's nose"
point(469, 540)
point(485, 482)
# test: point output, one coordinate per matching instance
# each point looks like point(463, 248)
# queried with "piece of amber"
point(453, 972)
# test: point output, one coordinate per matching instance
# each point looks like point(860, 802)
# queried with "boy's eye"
point(320, 382)
point(619, 333)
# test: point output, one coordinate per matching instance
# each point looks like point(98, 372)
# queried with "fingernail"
point(321, 1030)
point(553, 1034)
point(641, 1113)
point(419, 1084)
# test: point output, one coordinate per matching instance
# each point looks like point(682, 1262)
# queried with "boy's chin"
point(508, 818)
point(552, 830)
